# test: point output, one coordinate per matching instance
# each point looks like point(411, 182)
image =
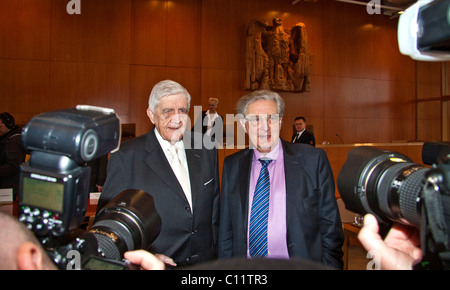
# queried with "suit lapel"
point(157, 162)
point(193, 159)
point(292, 168)
point(245, 165)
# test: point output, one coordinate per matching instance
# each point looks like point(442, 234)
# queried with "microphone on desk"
point(337, 134)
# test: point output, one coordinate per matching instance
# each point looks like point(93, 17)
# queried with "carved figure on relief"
point(277, 59)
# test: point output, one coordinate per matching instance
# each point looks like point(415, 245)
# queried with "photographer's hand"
point(399, 250)
point(145, 259)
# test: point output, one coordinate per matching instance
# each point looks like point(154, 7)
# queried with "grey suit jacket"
point(314, 229)
point(141, 164)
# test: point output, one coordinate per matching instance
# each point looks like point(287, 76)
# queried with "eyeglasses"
point(255, 120)
point(167, 112)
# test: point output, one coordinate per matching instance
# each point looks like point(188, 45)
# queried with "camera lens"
point(128, 222)
point(384, 183)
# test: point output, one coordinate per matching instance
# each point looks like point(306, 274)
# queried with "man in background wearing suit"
point(210, 122)
point(188, 201)
point(301, 135)
point(300, 219)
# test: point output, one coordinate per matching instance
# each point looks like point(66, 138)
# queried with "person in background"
point(98, 173)
point(210, 122)
point(301, 135)
point(12, 153)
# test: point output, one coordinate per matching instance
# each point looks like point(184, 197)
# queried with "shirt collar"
point(212, 116)
point(165, 145)
point(274, 154)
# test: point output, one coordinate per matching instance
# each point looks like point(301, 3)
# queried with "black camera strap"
point(435, 223)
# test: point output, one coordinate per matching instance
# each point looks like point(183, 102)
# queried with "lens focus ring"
point(409, 195)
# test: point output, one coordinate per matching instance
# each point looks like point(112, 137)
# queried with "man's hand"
point(145, 259)
point(399, 250)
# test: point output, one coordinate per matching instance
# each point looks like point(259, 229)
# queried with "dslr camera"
point(54, 191)
point(390, 186)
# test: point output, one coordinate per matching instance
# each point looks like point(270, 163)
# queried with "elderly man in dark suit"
point(277, 198)
point(182, 176)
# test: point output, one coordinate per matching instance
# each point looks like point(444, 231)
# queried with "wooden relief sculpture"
point(276, 59)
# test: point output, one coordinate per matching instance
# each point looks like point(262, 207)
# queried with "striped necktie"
point(260, 213)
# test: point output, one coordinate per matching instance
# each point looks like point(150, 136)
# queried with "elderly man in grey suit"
point(180, 174)
point(277, 198)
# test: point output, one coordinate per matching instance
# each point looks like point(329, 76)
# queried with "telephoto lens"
point(384, 183)
point(128, 222)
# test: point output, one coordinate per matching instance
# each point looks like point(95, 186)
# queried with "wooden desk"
point(350, 237)
point(91, 208)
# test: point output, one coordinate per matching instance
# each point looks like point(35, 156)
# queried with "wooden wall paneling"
point(184, 33)
point(357, 73)
point(24, 88)
point(347, 50)
point(427, 90)
point(142, 80)
point(429, 125)
point(221, 84)
point(446, 121)
point(149, 32)
point(25, 29)
point(348, 97)
point(402, 102)
point(105, 85)
point(222, 42)
point(101, 33)
point(393, 65)
point(355, 130)
point(428, 72)
point(402, 130)
point(428, 79)
point(309, 105)
point(393, 99)
point(445, 76)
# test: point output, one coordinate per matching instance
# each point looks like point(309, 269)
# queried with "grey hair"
point(246, 100)
point(166, 88)
point(214, 99)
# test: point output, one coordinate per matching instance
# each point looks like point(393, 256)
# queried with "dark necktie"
point(260, 213)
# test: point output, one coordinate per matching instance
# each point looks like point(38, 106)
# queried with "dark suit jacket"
point(314, 229)
point(12, 155)
point(141, 164)
point(305, 138)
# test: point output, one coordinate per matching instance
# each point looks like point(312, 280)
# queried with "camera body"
point(54, 191)
point(394, 189)
point(424, 31)
point(53, 203)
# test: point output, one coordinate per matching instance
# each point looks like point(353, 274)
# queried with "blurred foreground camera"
point(54, 191)
point(128, 222)
point(424, 30)
point(394, 189)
